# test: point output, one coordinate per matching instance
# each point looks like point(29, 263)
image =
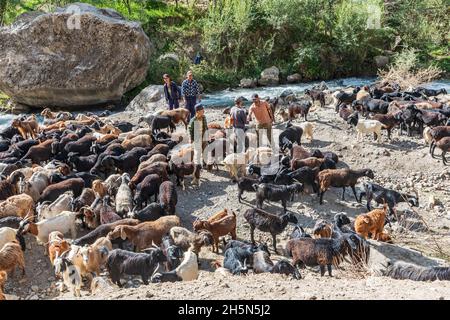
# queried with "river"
point(226, 97)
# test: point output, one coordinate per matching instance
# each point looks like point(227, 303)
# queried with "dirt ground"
point(402, 163)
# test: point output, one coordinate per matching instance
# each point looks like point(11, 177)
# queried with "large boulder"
point(75, 56)
point(150, 99)
point(270, 77)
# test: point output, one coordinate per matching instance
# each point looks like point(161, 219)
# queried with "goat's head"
point(200, 224)
point(369, 173)
point(341, 219)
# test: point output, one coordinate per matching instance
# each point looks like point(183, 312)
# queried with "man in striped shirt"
point(191, 92)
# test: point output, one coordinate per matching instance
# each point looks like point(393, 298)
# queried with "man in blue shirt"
point(191, 92)
point(172, 92)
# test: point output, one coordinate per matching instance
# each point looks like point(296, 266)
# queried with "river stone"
point(47, 60)
point(149, 100)
point(270, 76)
point(247, 83)
point(294, 78)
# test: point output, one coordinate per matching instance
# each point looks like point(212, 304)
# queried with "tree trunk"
point(3, 5)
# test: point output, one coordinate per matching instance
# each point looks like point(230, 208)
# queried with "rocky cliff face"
point(76, 56)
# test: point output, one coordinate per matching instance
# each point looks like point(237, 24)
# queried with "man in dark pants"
point(172, 92)
point(191, 92)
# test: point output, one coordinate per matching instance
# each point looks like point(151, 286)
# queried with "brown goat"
point(11, 256)
point(218, 227)
point(322, 229)
point(27, 128)
point(3, 277)
point(143, 235)
point(371, 223)
point(177, 115)
point(310, 162)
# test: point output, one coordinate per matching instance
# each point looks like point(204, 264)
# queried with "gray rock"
point(294, 78)
point(66, 60)
point(270, 76)
point(149, 100)
point(247, 83)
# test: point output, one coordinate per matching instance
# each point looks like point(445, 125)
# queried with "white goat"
point(62, 203)
point(308, 129)
point(35, 185)
point(71, 277)
point(124, 196)
point(64, 222)
point(365, 126)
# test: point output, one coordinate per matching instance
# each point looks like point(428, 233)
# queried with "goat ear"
point(123, 235)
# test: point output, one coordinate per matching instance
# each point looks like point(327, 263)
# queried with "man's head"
point(166, 78)
point(238, 101)
point(199, 110)
point(255, 98)
point(189, 75)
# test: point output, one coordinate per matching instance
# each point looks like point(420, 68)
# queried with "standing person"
point(263, 115)
point(172, 92)
point(197, 128)
point(191, 92)
point(238, 120)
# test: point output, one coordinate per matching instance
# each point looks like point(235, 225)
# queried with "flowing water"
point(226, 97)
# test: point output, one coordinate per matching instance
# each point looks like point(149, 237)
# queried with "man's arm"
point(191, 129)
point(183, 89)
point(250, 113)
point(197, 89)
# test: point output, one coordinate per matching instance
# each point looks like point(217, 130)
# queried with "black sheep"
point(151, 212)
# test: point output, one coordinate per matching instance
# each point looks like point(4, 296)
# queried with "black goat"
point(122, 262)
point(272, 192)
point(382, 195)
point(268, 222)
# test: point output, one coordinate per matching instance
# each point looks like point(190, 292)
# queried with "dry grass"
point(406, 73)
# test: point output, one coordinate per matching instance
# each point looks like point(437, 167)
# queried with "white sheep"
point(62, 203)
point(365, 126)
point(63, 222)
point(19, 206)
point(308, 129)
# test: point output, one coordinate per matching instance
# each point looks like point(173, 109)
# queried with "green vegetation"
point(319, 39)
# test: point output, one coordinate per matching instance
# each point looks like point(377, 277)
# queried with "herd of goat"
point(111, 181)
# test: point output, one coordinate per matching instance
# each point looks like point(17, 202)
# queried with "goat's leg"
point(322, 270)
point(443, 157)
point(329, 270)
point(252, 234)
point(389, 133)
point(321, 197)
point(284, 205)
point(274, 243)
point(240, 192)
point(343, 194)
point(354, 192)
point(183, 185)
